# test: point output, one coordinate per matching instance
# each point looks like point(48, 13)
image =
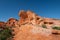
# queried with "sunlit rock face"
point(30, 27)
point(32, 32)
point(28, 17)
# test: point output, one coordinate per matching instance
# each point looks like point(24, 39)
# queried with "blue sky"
point(44, 8)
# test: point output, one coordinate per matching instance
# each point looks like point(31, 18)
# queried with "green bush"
point(44, 26)
point(56, 27)
point(5, 33)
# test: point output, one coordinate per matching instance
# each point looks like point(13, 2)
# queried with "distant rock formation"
point(2, 24)
point(30, 26)
point(11, 22)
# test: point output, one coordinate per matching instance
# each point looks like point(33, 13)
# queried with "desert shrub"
point(5, 33)
point(44, 26)
point(56, 27)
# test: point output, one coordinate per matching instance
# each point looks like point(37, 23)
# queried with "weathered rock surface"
point(30, 26)
point(11, 22)
point(2, 24)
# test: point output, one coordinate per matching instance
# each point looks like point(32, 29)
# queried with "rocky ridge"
point(30, 26)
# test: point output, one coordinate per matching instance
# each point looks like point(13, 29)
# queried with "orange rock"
point(2, 24)
point(29, 27)
point(11, 22)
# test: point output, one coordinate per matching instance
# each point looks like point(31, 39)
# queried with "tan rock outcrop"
point(28, 17)
point(32, 32)
point(30, 26)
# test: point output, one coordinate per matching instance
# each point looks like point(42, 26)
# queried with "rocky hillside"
point(30, 26)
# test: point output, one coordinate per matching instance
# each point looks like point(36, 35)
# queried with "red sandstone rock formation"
point(33, 27)
point(2, 24)
point(11, 22)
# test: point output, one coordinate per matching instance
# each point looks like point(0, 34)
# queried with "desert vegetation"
point(56, 27)
point(5, 33)
point(44, 26)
